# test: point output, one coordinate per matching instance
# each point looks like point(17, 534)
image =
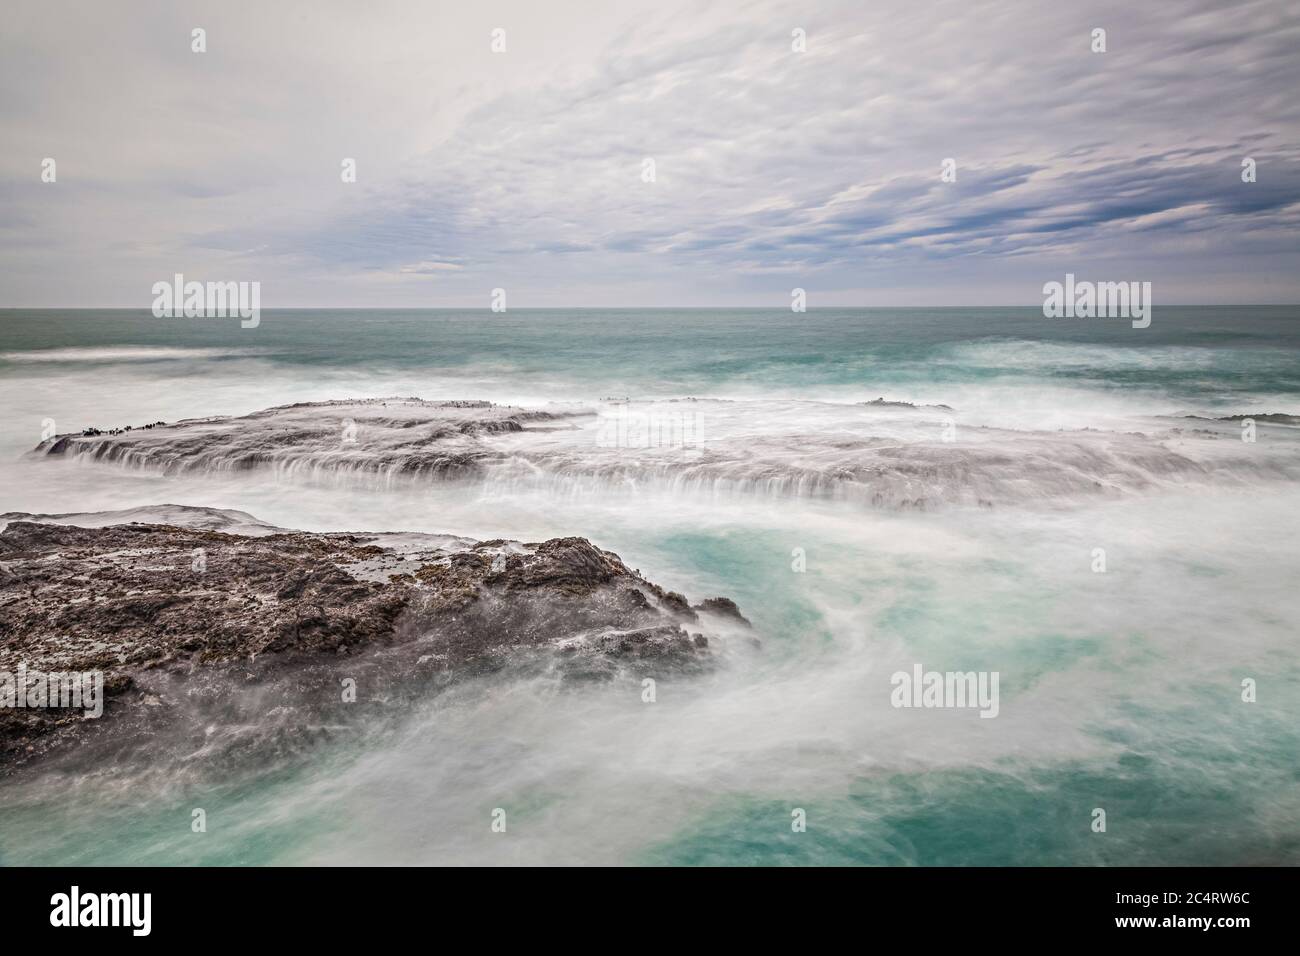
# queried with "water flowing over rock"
point(878, 454)
point(197, 629)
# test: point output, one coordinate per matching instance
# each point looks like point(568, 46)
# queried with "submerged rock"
point(882, 402)
point(189, 624)
point(918, 459)
point(393, 438)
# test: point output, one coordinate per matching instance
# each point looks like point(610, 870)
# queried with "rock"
point(882, 402)
point(294, 612)
point(412, 442)
point(724, 607)
point(679, 606)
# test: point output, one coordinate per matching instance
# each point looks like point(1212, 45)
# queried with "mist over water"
point(1119, 690)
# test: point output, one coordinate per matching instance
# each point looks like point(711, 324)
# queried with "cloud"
point(772, 168)
point(428, 267)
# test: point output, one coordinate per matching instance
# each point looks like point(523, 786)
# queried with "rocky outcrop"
point(880, 454)
point(187, 623)
point(394, 438)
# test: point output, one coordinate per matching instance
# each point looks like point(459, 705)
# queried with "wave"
point(1272, 418)
point(879, 456)
point(126, 353)
point(1030, 354)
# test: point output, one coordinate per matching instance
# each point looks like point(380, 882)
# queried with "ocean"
point(1121, 689)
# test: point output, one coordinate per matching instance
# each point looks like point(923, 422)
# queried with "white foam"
point(124, 353)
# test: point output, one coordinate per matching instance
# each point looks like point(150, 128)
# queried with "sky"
point(525, 169)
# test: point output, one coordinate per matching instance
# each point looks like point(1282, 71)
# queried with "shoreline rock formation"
point(188, 623)
point(879, 454)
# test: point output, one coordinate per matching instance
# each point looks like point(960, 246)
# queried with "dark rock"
point(285, 611)
point(724, 607)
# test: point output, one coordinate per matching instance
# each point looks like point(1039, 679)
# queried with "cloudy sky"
point(773, 168)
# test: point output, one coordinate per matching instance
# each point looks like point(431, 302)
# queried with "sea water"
point(1119, 691)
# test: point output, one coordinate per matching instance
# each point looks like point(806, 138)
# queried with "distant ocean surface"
point(1120, 690)
point(1189, 356)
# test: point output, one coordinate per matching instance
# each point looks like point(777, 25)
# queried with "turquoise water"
point(1192, 352)
point(1119, 691)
